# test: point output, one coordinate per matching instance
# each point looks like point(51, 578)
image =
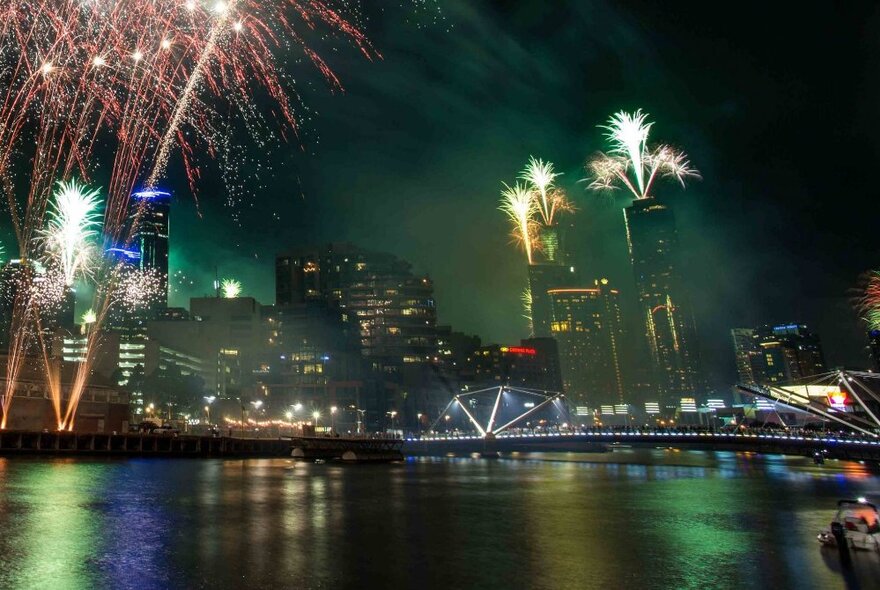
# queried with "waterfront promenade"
point(146, 444)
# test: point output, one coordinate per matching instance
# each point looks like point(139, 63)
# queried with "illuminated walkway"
point(838, 447)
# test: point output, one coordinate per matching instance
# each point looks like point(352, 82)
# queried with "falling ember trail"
point(183, 102)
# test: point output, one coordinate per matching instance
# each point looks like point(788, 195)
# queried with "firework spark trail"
point(520, 207)
point(526, 300)
point(38, 289)
point(182, 105)
point(628, 136)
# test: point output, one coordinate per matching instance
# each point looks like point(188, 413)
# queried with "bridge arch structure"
point(493, 410)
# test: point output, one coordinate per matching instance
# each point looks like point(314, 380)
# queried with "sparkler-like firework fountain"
point(630, 157)
point(532, 207)
point(141, 79)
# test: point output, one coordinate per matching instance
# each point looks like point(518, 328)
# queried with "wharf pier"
point(354, 449)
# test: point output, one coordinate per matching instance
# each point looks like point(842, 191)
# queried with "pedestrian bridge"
point(508, 419)
point(853, 448)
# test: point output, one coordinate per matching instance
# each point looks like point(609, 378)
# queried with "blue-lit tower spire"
point(150, 237)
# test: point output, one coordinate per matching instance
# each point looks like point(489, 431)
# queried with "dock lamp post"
point(289, 415)
point(210, 400)
point(393, 414)
point(257, 405)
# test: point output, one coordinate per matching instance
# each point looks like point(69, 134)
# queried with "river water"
point(630, 519)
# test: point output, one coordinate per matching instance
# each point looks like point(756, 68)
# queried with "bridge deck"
point(788, 444)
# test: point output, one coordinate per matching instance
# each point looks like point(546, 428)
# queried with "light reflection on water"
point(634, 518)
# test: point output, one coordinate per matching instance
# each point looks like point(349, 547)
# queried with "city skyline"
point(414, 294)
point(401, 189)
point(595, 244)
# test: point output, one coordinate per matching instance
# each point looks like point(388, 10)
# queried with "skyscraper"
point(150, 236)
point(668, 321)
point(744, 350)
point(586, 324)
point(542, 278)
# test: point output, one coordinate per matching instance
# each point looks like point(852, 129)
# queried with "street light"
point(419, 418)
point(316, 414)
point(333, 418)
point(392, 413)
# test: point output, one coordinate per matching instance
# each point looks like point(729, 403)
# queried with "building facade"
point(586, 323)
point(778, 355)
point(534, 364)
point(744, 351)
point(542, 278)
point(390, 312)
point(667, 318)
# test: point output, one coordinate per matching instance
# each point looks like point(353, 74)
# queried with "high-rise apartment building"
point(777, 355)
point(390, 313)
point(586, 324)
point(393, 309)
point(668, 321)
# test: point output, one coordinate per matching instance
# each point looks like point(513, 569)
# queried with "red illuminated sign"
point(521, 350)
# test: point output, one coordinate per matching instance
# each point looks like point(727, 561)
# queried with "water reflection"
point(646, 519)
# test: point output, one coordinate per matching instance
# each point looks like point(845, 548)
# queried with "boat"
point(856, 523)
point(320, 461)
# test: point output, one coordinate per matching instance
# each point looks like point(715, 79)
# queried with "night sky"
point(774, 103)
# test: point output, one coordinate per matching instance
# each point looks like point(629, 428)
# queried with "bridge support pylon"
point(490, 447)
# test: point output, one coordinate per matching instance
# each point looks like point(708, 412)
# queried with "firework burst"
point(518, 203)
point(868, 303)
point(74, 223)
point(230, 288)
point(631, 163)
